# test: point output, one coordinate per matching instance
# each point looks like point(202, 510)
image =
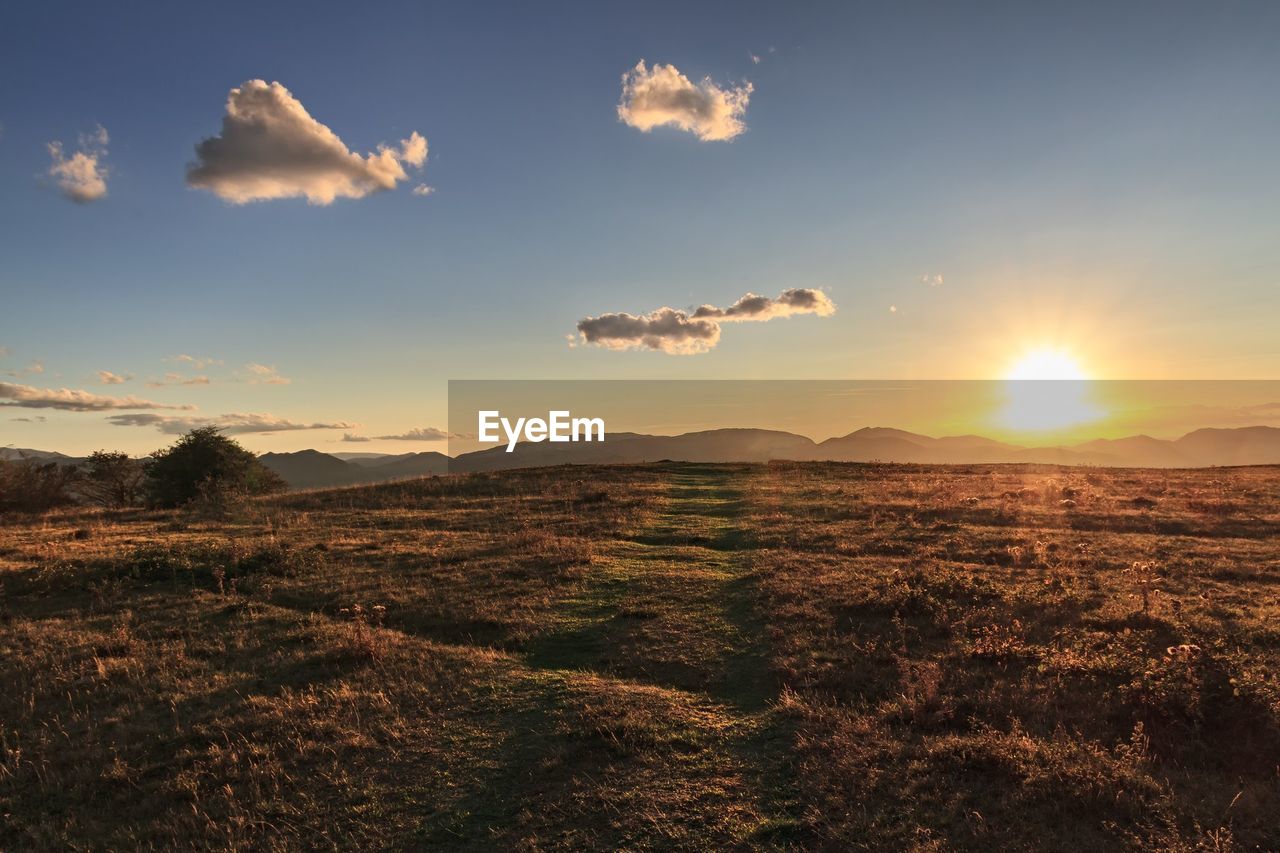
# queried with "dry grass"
point(811, 656)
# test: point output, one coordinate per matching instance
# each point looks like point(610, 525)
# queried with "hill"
point(310, 469)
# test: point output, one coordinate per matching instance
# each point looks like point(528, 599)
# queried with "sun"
point(1046, 364)
point(1046, 391)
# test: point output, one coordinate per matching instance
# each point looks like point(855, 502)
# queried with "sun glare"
point(1047, 391)
point(1046, 364)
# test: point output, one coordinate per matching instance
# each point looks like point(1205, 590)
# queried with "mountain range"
point(309, 469)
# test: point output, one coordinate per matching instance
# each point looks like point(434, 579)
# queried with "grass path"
point(670, 614)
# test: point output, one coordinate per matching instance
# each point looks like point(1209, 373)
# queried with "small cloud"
point(195, 362)
point(893, 309)
point(423, 189)
point(232, 424)
point(106, 377)
point(666, 330)
point(678, 332)
point(66, 399)
point(753, 308)
point(755, 59)
point(271, 148)
point(35, 419)
point(34, 368)
point(419, 434)
point(82, 177)
point(932, 279)
point(661, 95)
point(263, 374)
point(178, 379)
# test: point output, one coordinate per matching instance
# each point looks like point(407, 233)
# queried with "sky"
point(517, 191)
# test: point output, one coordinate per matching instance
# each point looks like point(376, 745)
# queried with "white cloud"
point(25, 396)
point(236, 423)
point(263, 374)
point(423, 189)
point(106, 377)
point(661, 95)
point(270, 147)
point(678, 332)
point(932, 279)
point(82, 177)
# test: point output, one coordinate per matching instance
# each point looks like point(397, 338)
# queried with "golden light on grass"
point(1047, 390)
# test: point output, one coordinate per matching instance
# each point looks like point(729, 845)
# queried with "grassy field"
point(808, 656)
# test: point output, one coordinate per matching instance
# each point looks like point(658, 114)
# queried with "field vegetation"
point(794, 655)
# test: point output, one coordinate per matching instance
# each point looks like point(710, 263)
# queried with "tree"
point(206, 464)
point(29, 485)
point(113, 479)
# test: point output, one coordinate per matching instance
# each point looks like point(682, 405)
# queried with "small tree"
point(206, 464)
point(113, 479)
point(29, 485)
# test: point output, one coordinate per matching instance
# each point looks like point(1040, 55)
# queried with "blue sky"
point(1100, 179)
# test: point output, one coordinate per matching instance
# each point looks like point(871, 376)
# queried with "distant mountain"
point(1244, 446)
point(348, 456)
point(1202, 448)
point(718, 445)
point(17, 453)
point(311, 469)
point(406, 465)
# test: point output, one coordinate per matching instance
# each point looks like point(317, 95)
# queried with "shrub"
point(29, 485)
point(113, 479)
point(206, 464)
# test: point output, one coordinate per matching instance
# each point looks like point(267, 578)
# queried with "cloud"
point(423, 189)
point(932, 279)
point(66, 399)
point(236, 423)
point(195, 362)
point(33, 367)
point(270, 147)
point(661, 95)
point(418, 434)
point(262, 374)
point(678, 332)
point(178, 379)
point(82, 177)
point(757, 309)
point(106, 377)
point(667, 330)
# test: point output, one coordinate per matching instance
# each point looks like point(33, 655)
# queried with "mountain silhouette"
point(310, 469)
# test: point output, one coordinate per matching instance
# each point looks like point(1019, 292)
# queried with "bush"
point(207, 465)
point(29, 485)
point(113, 479)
